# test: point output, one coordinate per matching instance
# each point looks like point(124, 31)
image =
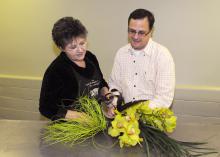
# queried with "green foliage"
point(159, 142)
point(138, 123)
point(75, 131)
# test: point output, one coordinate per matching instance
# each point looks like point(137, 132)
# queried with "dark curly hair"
point(142, 13)
point(67, 28)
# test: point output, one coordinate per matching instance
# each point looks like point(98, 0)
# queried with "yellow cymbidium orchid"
point(170, 124)
point(127, 122)
point(129, 140)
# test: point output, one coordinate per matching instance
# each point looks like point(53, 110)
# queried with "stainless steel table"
point(21, 138)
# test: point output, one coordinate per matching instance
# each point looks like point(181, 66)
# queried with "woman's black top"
point(64, 81)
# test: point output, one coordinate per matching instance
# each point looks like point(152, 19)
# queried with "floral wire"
point(100, 146)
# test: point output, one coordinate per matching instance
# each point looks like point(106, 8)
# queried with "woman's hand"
point(74, 114)
point(109, 112)
point(104, 91)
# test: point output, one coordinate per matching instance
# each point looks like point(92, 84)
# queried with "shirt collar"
point(146, 50)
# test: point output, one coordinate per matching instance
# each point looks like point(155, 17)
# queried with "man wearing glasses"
point(143, 69)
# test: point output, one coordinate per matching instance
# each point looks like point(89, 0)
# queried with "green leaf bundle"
point(157, 141)
point(75, 131)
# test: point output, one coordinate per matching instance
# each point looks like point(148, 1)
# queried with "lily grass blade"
point(171, 147)
point(75, 131)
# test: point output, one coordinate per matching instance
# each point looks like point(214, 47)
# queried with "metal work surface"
point(21, 138)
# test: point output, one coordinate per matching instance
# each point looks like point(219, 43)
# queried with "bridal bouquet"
point(136, 124)
point(126, 123)
point(139, 124)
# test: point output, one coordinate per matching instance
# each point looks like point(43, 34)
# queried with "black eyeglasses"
point(133, 32)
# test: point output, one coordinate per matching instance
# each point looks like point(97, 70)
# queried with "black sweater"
point(59, 83)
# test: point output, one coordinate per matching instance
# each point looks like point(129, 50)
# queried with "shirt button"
point(134, 85)
point(134, 61)
point(136, 73)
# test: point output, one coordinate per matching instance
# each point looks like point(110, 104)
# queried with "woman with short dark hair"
point(75, 72)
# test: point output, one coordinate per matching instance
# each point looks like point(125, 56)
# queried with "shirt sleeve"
point(165, 81)
point(115, 77)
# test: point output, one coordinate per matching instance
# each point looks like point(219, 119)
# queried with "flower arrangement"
point(75, 131)
point(141, 124)
point(127, 122)
point(137, 124)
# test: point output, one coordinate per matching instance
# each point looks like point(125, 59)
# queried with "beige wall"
point(190, 29)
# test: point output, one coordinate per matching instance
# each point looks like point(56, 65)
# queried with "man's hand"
point(111, 101)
